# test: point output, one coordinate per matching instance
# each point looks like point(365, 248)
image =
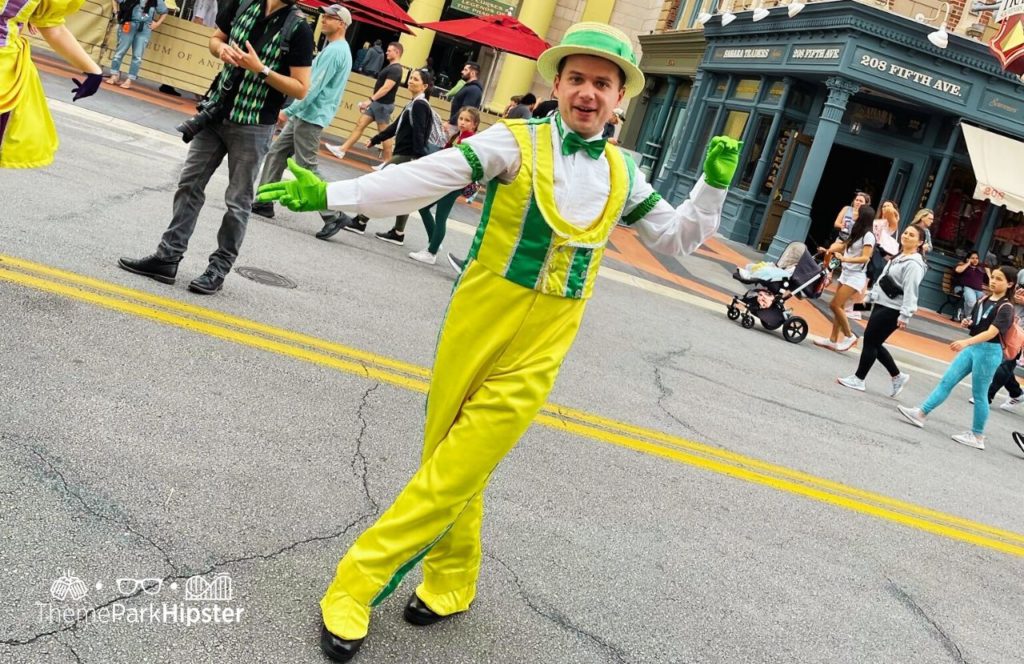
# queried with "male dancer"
point(556, 192)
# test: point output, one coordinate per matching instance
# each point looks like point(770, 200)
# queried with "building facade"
point(843, 97)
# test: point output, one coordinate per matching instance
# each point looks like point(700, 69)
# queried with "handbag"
point(1013, 339)
point(888, 285)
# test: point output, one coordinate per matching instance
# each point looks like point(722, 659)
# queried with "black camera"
point(209, 112)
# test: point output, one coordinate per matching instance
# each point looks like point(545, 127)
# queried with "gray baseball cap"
point(339, 12)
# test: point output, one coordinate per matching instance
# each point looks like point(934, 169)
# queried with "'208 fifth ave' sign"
point(905, 73)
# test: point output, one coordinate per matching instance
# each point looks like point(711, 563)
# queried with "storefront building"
point(843, 97)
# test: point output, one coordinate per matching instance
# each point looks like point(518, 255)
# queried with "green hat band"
point(601, 41)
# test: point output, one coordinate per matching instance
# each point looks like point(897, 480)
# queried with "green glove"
point(306, 193)
point(721, 161)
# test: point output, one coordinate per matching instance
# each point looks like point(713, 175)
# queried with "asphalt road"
point(702, 493)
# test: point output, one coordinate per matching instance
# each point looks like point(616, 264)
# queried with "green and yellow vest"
point(523, 238)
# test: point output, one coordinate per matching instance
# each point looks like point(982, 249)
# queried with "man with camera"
point(267, 50)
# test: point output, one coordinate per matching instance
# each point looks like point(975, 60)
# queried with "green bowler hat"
point(598, 39)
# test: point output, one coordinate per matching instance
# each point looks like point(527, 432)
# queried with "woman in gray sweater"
point(891, 311)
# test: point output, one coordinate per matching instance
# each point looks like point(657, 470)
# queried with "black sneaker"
point(207, 283)
point(358, 225)
point(152, 267)
point(263, 209)
point(1018, 438)
point(457, 264)
point(392, 236)
point(332, 227)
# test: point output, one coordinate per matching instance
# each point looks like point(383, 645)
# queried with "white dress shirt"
point(581, 190)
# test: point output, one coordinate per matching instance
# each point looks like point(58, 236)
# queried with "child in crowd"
point(436, 224)
point(979, 355)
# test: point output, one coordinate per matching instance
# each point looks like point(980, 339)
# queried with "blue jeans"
point(137, 38)
point(244, 146)
point(981, 361)
point(971, 298)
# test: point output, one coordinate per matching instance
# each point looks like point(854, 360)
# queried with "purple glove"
point(86, 88)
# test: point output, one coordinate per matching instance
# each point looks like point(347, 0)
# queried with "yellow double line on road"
point(587, 425)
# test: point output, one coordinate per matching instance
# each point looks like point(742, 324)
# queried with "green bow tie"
point(573, 143)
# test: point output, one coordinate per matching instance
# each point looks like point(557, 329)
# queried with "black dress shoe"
point(263, 209)
point(418, 613)
point(207, 283)
point(152, 267)
point(332, 227)
point(337, 648)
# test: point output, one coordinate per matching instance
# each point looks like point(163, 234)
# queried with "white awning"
point(998, 166)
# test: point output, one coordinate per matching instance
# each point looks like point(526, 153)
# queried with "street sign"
point(484, 7)
point(1008, 44)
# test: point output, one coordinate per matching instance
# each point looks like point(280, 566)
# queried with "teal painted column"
point(796, 222)
point(694, 110)
point(653, 149)
point(939, 185)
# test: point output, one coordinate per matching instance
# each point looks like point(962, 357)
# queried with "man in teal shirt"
point(306, 119)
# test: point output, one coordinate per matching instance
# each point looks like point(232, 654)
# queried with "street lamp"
point(704, 16)
point(795, 8)
point(940, 37)
point(728, 17)
point(760, 12)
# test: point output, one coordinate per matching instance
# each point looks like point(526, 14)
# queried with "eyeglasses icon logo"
point(127, 586)
point(68, 586)
point(216, 589)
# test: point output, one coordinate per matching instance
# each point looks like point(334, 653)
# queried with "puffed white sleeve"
point(668, 230)
point(416, 184)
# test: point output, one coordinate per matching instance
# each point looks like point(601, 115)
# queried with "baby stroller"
point(796, 273)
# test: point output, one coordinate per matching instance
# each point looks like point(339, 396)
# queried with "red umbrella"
point(501, 32)
point(363, 15)
point(386, 8)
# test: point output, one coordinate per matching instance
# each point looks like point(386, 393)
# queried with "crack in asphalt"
point(104, 205)
point(359, 465)
point(72, 649)
point(664, 391)
point(99, 515)
point(557, 618)
point(904, 598)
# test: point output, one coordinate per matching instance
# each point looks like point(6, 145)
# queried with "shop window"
point(735, 123)
point(884, 119)
point(773, 95)
point(1008, 240)
point(721, 85)
point(958, 217)
point(674, 133)
point(707, 125)
point(746, 89)
point(764, 125)
point(800, 99)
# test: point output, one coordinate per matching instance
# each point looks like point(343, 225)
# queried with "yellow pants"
point(498, 354)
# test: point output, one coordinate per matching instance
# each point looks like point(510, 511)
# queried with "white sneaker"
point(898, 383)
point(846, 344)
point(851, 382)
point(335, 150)
point(854, 315)
point(423, 256)
point(970, 440)
point(970, 400)
point(1010, 403)
point(913, 415)
point(380, 166)
point(825, 343)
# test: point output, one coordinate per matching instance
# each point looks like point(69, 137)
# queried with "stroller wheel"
point(794, 330)
point(748, 321)
point(733, 313)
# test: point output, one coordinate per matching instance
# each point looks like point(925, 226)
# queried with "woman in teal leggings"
point(979, 355)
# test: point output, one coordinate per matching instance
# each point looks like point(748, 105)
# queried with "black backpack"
point(124, 10)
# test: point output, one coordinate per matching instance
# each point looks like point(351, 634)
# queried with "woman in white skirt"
point(854, 254)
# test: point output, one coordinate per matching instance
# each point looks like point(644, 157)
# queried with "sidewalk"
point(706, 274)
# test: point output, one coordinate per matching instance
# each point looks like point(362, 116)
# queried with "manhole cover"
point(266, 278)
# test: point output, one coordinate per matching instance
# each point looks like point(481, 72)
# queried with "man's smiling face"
point(588, 89)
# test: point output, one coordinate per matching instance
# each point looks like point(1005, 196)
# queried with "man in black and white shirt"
point(267, 48)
